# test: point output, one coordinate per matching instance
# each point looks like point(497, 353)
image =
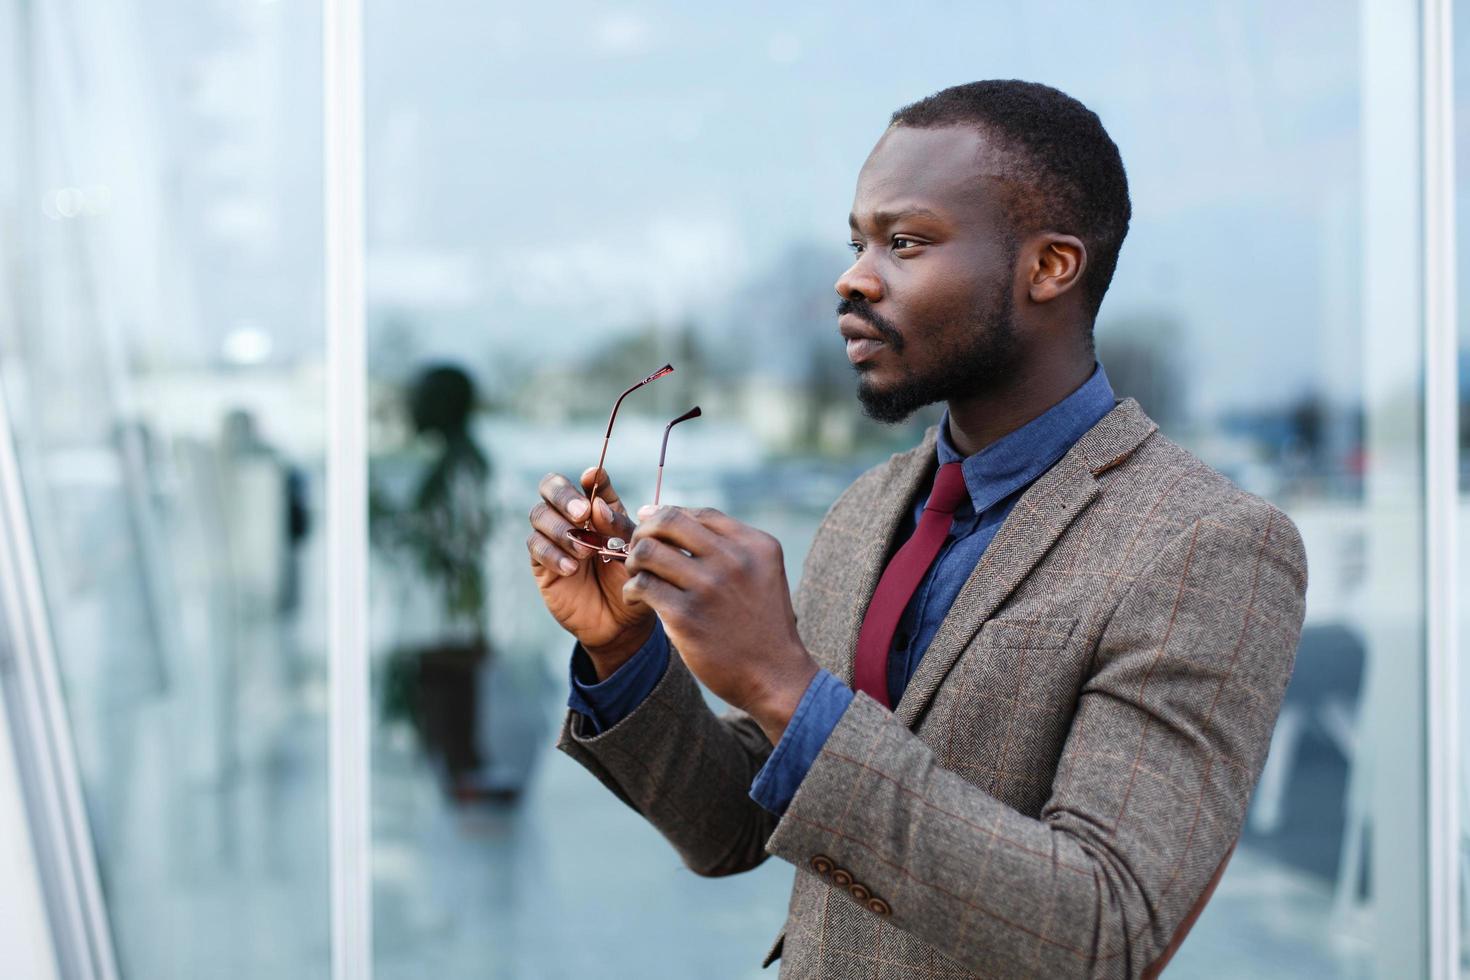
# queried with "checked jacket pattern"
point(1069, 768)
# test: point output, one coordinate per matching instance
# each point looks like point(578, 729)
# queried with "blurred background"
point(560, 199)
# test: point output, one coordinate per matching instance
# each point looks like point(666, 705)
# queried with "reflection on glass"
point(440, 533)
point(706, 228)
point(163, 349)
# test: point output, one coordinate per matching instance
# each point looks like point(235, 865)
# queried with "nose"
point(860, 280)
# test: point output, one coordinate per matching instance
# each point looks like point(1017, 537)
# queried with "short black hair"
point(1069, 170)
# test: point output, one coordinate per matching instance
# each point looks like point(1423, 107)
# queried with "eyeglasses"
point(614, 548)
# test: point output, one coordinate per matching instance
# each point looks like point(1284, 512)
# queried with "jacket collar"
point(1016, 459)
point(1041, 515)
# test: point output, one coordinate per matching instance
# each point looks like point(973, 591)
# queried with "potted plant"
point(443, 532)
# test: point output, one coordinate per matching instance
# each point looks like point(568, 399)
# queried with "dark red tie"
point(900, 579)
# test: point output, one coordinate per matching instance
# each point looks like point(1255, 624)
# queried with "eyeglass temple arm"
point(693, 413)
point(592, 495)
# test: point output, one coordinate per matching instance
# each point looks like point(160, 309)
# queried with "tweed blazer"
point(1069, 767)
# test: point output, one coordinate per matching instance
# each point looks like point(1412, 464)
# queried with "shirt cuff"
point(816, 715)
point(608, 702)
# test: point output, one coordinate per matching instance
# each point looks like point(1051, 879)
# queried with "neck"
point(978, 421)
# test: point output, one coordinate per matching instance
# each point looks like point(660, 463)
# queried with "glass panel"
point(559, 202)
point(162, 346)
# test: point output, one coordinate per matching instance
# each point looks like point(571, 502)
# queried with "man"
point(1011, 724)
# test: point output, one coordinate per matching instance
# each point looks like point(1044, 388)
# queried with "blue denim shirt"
point(996, 477)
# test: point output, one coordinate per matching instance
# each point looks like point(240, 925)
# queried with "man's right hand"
point(582, 591)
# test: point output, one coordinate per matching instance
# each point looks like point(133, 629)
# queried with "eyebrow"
point(885, 218)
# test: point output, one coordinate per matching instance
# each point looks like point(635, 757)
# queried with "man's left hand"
point(719, 586)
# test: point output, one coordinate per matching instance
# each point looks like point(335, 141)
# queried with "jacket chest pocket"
point(1008, 704)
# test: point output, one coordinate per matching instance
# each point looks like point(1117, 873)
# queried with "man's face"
point(927, 305)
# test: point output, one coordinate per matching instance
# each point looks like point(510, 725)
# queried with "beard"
point(978, 358)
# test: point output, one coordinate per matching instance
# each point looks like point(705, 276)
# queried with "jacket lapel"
point(1043, 513)
point(877, 520)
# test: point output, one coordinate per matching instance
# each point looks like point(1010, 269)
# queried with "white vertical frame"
point(350, 751)
point(81, 933)
point(25, 928)
point(1394, 599)
point(1442, 476)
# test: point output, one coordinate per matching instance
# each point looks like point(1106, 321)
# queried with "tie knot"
point(949, 489)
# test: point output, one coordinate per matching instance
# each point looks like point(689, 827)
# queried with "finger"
point(559, 492)
point(613, 523)
point(666, 562)
point(605, 489)
point(549, 555)
point(674, 526)
point(649, 589)
point(716, 521)
point(543, 575)
point(545, 519)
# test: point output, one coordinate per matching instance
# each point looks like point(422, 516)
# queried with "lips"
point(854, 327)
point(860, 349)
point(864, 342)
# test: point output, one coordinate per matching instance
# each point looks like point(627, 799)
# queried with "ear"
point(1057, 264)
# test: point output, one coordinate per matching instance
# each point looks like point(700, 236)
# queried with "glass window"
point(560, 201)
point(161, 333)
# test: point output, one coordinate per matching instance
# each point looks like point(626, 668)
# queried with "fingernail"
point(577, 508)
point(646, 510)
point(604, 511)
point(568, 566)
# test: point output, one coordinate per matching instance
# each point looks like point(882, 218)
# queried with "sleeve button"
point(841, 878)
point(860, 892)
point(822, 865)
point(879, 907)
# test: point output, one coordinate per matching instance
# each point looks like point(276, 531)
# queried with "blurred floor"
point(567, 882)
point(571, 883)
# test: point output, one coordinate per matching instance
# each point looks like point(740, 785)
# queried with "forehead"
point(952, 170)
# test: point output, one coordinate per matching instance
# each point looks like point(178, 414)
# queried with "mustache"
point(858, 307)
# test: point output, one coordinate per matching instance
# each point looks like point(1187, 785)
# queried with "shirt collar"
point(1016, 459)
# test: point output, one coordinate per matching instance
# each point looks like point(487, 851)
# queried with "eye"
point(857, 247)
point(901, 242)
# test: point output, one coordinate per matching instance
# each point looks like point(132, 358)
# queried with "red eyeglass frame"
point(610, 548)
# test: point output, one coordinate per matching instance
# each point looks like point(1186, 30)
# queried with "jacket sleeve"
point(1170, 733)
point(686, 770)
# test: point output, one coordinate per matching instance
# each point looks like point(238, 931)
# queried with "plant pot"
point(447, 706)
